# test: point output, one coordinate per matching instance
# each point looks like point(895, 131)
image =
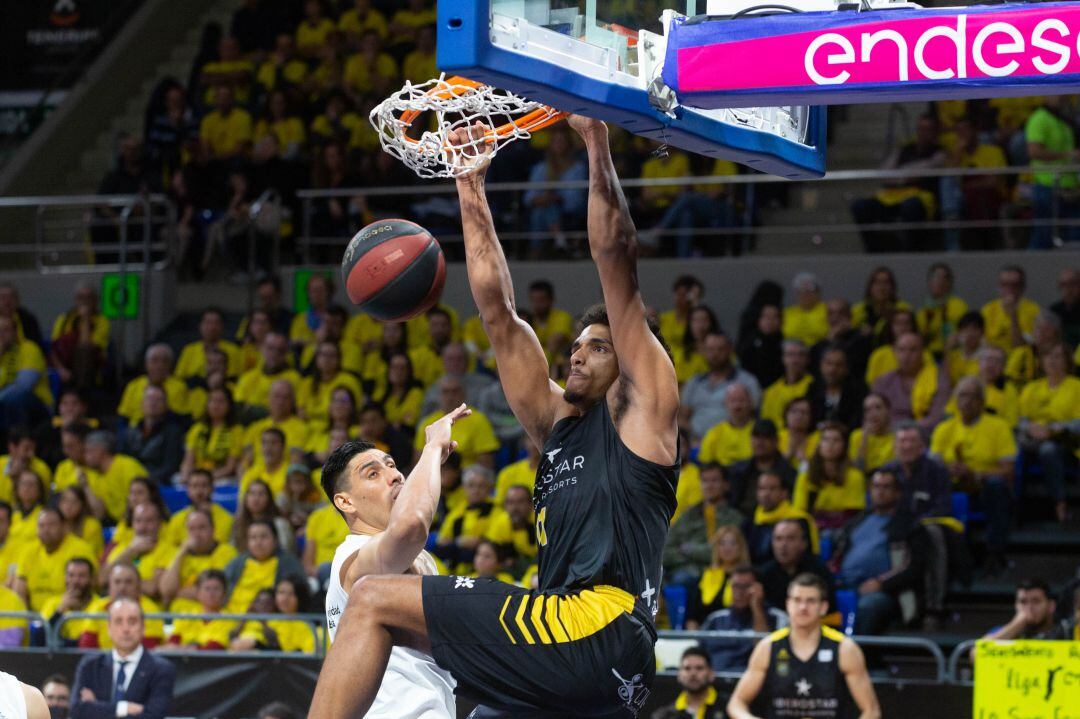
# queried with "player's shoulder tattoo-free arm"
point(853, 666)
point(751, 682)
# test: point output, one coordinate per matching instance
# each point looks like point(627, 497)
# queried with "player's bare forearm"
point(411, 517)
point(611, 229)
point(489, 276)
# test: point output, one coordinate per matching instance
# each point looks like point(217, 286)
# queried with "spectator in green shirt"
point(1051, 141)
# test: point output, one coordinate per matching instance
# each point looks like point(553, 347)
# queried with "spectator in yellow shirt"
point(688, 353)
point(259, 567)
point(282, 417)
point(306, 324)
point(205, 634)
point(514, 529)
point(729, 441)
point(1023, 365)
point(287, 127)
point(1001, 396)
point(289, 597)
point(916, 389)
point(272, 462)
point(334, 321)
point(325, 530)
point(314, 31)
point(30, 496)
point(426, 365)
point(806, 319)
point(199, 550)
point(523, 472)
point(123, 584)
point(831, 489)
point(231, 71)
point(199, 488)
point(40, 572)
point(361, 18)
point(880, 301)
point(80, 340)
point(282, 69)
point(22, 454)
point(253, 390)
point(794, 384)
point(158, 363)
point(316, 389)
point(687, 293)
point(1050, 420)
point(1010, 319)
point(941, 311)
point(406, 21)
point(77, 596)
point(371, 70)
point(25, 396)
point(403, 396)
point(465, 527)
point(962, 359)
point(192, 362)
point(214, 444)
point(883, 359)
point(342, 422)
point(226, 131)
point(798, 439)
point(8, 548)
point(78, 518)
point(872, 445)
point(114, 472)
point(475, 437)
point(149, 550)
point(553, 326)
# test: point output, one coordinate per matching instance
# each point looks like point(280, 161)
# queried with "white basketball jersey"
point(12, 701)
point(414, 687)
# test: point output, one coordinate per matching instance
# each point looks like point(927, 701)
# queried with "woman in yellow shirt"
point(140, 491)
point(78, 520)
point(426, 365)
point(883, 359)
point(257, 326)
point(290, 597)
point(342, 420)
point(257, 505)
point(871, 446)
point(313, 397)
point(687, 353)
point(262, 565)
point(286, 127)
point(798, 440)
point(216, 442)
point(729, 551)
point(879, 303)
point(30, 496)
point(371, 70)
point(1049, 411)
point(830, 488)
point(314, 30)
point(404, 397)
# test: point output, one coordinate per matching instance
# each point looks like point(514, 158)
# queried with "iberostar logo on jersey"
point(559, 471)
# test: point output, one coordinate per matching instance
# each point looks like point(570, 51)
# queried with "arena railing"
point(313, 621)
point(960, 657)
point(918, 644)
point(831, 195)
point(35, 624)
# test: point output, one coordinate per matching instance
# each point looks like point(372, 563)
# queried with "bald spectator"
point(702, 405)
point(158, 366)
point(916, 390)
point(455, 360)
point(1068, 307)
point(157, 440)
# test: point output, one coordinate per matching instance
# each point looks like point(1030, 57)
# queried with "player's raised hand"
point(437, 434)
point(470, 149)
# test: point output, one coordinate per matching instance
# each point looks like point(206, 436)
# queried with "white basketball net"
point(456, 104)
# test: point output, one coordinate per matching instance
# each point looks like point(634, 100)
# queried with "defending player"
point(806, 669)
point(20, 701)
point(605, 490)
point(388, 518)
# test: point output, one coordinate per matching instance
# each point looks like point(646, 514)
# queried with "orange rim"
point(536, 120)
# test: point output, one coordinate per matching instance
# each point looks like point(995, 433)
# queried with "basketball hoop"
point(508, 116)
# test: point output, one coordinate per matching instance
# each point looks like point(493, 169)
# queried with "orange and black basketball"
point(394, 270)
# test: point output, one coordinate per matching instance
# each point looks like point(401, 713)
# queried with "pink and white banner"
point(877, 56)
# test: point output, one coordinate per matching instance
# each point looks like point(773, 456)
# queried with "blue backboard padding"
point(464, 48)
point(702, 33)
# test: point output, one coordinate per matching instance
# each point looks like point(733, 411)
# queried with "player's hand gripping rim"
point(471, 147)
point(437, 434)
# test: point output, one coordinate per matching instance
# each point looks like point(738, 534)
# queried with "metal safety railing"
point(832, 196)
point(917, 644)
point(959, 658)
point(314, 622)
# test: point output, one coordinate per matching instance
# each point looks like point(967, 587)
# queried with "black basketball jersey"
point(814, 689)
point(602, 512)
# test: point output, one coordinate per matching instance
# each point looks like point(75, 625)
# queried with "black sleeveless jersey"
point(815, 689)
point(602, 512)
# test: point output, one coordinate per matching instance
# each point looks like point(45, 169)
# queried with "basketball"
point(393, 270)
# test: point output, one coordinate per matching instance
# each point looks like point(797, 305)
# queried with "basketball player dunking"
point(806, 669)
point(582, 644)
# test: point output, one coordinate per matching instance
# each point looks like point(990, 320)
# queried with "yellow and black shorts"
point(581, 653)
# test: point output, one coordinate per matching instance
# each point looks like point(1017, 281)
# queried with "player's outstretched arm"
point(853, 665)
point(644, 366)
point(394, 551)
point(750, 684)
point(523, 369)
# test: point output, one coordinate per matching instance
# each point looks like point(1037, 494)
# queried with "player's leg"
point(383, 612)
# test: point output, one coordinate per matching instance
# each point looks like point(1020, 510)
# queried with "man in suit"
point(127, 681)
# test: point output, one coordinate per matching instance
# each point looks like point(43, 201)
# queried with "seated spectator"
point(205, 634)
point(172, 129)
point(192, 362)
point(327, 376)
point(980, 196)
point(798, 439)
point(1034, 618)
point(1068, 307)
point(25, 396)
point(8, 548)
point(332, 329)
point(915, 390)
point(128, 175)
point(257, 504)
point(746, 612)
point(73, 471)
point(1049, 410)
point(253, 388)
point(231, 70)
point(883, 359)
point(122, 583)
point(513, 531)
point(1002, 397)
point(523, 473)
point(1050, 141)
point(306, 324)
point(41, 565)
point(792, 556)
point(315, 29)
point(836, 395)
point(403, 395)
point(765, 457)
point(806, 320)
point(141, 491)
point(199, 489)
point(30, 496)
point(906, 200)
point(1022, 365)
point(26, 324)
point(553, 213)
point(148, 550)
point(261, 566)
point(474, 435)
point(225, 132)
point(22, 455)
point(688, 353)
point(980, 452)
point(493, 404)
point(464, 527)
point(794, 384)
point(456, 362)
point(13, 631)
point(713, 590)
point(57, 692)
point(199, 550)
point(874, 312)
point(942, 311)
point(215, 443)
point(698, 697)
point(689, 546)
point(687, 292)
point(830, 488)
point(282, 69)
point(426, 365)
point(300, 497)
point(882, 554)
point(961, 359)
point(78, 593)
point(78, 519)
point(871, 445)
point(80, 341)
point(290, 597)
point(375, 429)
point(1010, 319)
point(702, 406)
point(285, 126)
point(324, 531)
point(129, 680)
point(773, 506)
point(157, 440)
point(215, 377)
point(271, 464)
point(362, 18)
point(491, 561)
point(158, 365)
point(843, 334)
point(282, 417)
point(729, 441)
point(71, 408)
point(405, 22)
